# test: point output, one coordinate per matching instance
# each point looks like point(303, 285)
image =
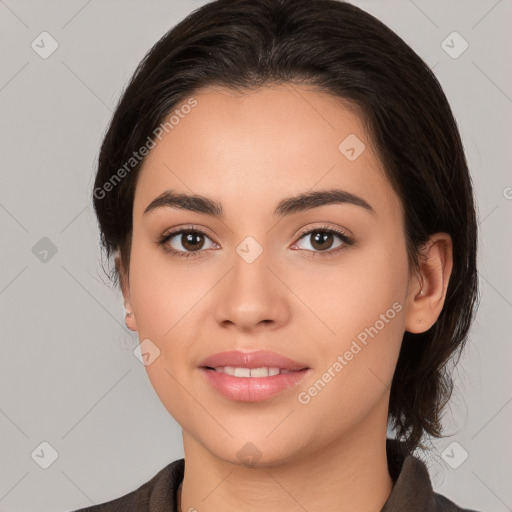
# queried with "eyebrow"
point(287, 206)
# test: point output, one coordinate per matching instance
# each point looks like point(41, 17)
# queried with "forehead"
point(261, 145)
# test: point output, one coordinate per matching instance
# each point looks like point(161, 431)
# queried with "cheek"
point(166, 295)
point(361, 304)
point(163, 290)
point(165, 299)
point(352, 293)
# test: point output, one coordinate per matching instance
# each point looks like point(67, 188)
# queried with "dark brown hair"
point(344, 51)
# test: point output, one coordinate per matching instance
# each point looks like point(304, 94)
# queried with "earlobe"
point(428, 291)
point(130, 320)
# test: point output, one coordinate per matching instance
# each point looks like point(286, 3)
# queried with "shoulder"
point(412, 488)
point(159, 490)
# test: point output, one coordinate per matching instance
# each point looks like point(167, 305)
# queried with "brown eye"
point(192, 241)
point(323, 241)
point(186, 242)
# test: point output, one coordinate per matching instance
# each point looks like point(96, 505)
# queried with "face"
point(325, 283)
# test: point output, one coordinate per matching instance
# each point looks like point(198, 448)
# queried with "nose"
point(252, 296)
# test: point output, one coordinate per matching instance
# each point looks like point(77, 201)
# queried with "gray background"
point(68, 375)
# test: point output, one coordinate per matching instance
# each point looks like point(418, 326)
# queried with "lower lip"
point(252, 389)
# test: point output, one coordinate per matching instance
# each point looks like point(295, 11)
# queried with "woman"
point(285, 193)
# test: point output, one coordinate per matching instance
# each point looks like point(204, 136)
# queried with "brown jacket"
point(412, 491)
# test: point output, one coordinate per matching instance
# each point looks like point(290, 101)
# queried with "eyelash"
point(347, 241)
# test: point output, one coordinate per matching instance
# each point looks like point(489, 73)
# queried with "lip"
point(259, 359)
point(252, 389)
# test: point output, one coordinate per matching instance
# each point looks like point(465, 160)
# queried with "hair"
point(339, 49)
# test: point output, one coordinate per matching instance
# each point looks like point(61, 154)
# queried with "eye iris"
point(193, 241)
point(321, 237)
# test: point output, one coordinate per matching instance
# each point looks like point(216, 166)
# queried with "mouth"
point(251, 384)
point(251, 376)
point(252, 372)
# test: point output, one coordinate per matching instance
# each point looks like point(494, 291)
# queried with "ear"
point(427, 292)
point(130, 319)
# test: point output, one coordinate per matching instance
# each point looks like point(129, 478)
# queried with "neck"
point(349, 475)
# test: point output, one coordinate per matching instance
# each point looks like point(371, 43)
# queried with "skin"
point(248, 151)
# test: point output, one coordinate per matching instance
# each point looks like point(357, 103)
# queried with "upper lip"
point(259, 359)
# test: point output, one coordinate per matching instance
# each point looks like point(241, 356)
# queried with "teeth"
point(250, 372)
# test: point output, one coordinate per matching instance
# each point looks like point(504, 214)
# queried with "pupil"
point(193, 241)
point(320, 238)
